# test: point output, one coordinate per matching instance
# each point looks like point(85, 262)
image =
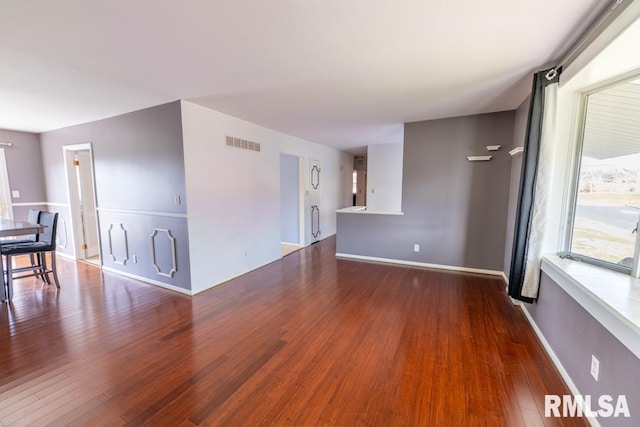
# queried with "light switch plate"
point(15, 194)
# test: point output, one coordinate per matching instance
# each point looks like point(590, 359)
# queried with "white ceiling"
point(341, 73)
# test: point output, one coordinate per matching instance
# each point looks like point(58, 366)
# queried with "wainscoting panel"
point(64, 242)
point(163, 252)
point(118, 243)
point(152, 246)
point(62, 232)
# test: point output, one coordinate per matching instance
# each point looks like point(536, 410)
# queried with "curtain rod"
point(7, 144)
point(586, 36)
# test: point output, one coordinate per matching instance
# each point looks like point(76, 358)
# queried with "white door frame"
point(72, 196)
point(4, 184)
point(301, 196)
point(302, 169)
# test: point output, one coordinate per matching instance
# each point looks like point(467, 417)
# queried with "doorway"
point(291, 210)
point(6, 210)
point(82, 202)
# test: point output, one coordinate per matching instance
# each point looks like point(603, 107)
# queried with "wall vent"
point(242, 143)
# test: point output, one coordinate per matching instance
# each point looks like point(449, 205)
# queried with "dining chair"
point(34, 218)
point(46, 243)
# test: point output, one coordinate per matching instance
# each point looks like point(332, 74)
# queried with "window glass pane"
point(608, 200)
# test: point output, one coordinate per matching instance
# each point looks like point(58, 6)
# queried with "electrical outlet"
point(135, 259)
point(15, 194)
point(177, 200)
point(595, 367)
point(416, 248)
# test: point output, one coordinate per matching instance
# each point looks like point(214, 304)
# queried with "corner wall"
point(384, 177)
point(519, 131)
point(139, 171)
point(234, 193)
point(454, 209)
point(574, 335)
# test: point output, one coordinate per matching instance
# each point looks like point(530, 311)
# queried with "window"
point(607, 202)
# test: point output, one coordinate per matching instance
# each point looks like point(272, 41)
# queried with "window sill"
point(612, 298)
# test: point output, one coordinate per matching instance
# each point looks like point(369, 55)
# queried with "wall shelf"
point(516, 150)
point(478, 158)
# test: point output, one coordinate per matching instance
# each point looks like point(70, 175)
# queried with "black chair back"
point(34, 218)
point(48, 236)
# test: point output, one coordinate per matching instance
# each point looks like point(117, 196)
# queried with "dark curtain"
point(524, 208)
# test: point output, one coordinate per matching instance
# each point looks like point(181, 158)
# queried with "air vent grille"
point(242, 144)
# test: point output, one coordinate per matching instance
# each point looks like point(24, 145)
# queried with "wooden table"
point(10, 228)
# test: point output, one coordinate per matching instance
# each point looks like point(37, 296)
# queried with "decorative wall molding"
point(152, 213)
point(62, 234)
point(172, 242)
point(111, 231)
point(315, 177)
point(315, 221)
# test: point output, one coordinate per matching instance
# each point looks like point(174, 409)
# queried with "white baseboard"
point(67, 256)
point(420, 264)
point(147, 280)
point(558, 364)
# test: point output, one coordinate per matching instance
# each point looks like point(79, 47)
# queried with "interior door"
point(315, 187)
point(87, 203)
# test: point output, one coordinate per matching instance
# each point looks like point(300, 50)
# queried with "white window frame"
point(575, 178)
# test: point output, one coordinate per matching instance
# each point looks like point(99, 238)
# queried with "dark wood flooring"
point(308, 340)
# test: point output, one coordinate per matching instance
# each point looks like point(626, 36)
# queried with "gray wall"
point(24, 167)
point(514, 181)
point(139, 169)
point(454, 209)
point(574, 335)
point(289, 199)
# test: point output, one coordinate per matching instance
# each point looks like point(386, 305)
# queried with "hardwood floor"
point(308, 340)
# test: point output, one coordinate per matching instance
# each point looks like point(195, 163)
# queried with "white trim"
point(67, 256)
point(149, 281)
point(78, 147)
point(504, 277)
point(363, 210)
point(420, 264)
point(516, 150)
point(556, 361)
point(5, 186)
point(63, 205)
point(30, 204)
point(154, 213)
point(614, 322)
